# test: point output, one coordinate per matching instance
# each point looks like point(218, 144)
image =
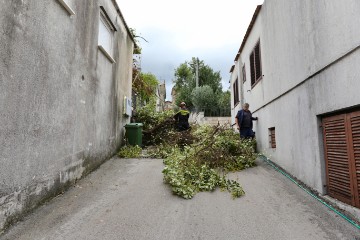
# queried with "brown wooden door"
point(354, 140)
point(342, 153)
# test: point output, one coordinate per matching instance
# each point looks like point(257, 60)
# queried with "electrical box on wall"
point(127, 107)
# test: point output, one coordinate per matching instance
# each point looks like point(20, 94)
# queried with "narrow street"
point(126, 199)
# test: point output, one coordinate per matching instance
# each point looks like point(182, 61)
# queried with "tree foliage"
point(144, 84)
point(185, 81)
point(224, 99)
point(204, 97)
point(203, 163)
point(137, 47)
point(195, 160)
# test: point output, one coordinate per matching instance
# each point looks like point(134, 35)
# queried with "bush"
point(187, 176)
point(128, 151)
point(202, 166)
point(198, 159)
point(204, 97)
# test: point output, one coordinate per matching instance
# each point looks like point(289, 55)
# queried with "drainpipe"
point(241, 83)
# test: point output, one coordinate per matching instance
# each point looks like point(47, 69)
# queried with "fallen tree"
point(198, 159)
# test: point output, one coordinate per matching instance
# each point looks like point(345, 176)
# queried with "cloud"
point(180, 30)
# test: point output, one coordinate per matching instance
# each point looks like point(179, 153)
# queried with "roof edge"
point(123, 19)
point(232, 68)
point(248, 31)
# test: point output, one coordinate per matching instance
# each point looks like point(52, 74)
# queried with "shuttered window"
point(272, 137)
point(255, 65)
point(342, 153)
point(236, 91)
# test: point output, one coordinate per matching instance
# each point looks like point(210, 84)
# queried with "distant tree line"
point(208, 95)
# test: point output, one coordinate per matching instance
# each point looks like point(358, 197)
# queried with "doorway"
point(342, 156)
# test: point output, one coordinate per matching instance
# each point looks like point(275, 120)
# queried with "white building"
point(298, 68)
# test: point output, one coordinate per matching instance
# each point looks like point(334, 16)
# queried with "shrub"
point(129, 151)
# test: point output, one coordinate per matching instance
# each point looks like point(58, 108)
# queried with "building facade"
point(169, 105)
point(65, 74)
point(160, 93)
point(297, 67)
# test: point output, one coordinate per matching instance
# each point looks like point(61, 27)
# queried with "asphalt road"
point(126, 199)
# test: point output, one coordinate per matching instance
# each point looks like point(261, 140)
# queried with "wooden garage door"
point(354, 120)
point(342, 153)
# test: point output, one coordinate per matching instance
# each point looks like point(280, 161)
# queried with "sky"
point(176, 31)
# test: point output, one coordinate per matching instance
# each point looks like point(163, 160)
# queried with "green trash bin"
point(134, 133)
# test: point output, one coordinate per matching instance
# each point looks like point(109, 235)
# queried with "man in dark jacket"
point(182, 118)
point(244, 122)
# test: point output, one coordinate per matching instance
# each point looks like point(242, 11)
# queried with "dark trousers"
point(182, 126)
point(246, 133)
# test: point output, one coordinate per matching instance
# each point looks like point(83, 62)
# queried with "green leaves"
point(197, 160)
point(128, 151)
point(186, 176)
point(144, 84)
point(204, 97)
point(185, 80)
point(199, 166)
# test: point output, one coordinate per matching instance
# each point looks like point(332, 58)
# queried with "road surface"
point(127, 199)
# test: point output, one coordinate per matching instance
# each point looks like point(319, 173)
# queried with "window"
point(272, 137)
point(255, 65)
point(67, 4)
point(106, 35)
point(236, 91)
point(243, 72)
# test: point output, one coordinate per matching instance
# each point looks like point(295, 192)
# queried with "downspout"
point(241, 83)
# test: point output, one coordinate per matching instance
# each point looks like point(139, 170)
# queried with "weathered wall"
point(245, 87)
point(61, 99)
point(299, 38)
point(201, 119)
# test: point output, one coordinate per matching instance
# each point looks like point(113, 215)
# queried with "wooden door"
point(354, 141)
point(337, 160)
point(342, 153)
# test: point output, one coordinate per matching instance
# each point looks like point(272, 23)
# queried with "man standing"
point(244, 123)
point(182, 118)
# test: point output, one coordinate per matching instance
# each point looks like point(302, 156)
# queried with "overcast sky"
point(176, 31)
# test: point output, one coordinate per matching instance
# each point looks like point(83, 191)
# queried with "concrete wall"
point(61, 99)
point(201, 119)
point(298, 39)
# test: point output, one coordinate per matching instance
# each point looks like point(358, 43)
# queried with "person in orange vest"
point(182, 118)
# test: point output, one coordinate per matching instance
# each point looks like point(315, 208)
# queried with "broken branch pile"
point(198, 159)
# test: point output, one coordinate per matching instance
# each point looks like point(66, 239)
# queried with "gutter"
point(123, 20)
point(248, 31)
